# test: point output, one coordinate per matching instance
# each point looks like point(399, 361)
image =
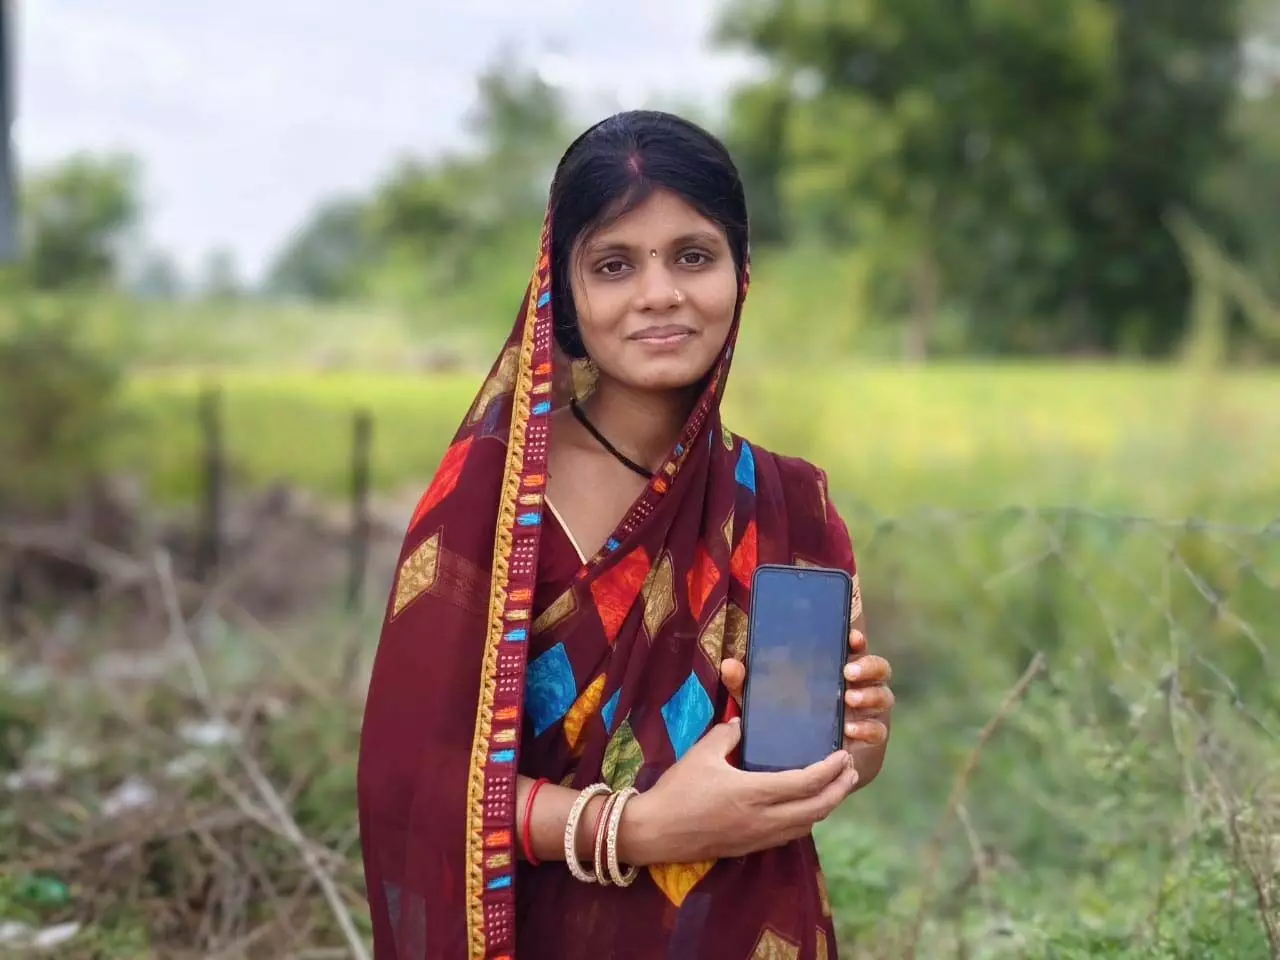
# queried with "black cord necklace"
point(618, 455)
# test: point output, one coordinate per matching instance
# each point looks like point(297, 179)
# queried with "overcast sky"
point(246, 112)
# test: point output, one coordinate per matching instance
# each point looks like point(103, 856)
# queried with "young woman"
point(547, 760)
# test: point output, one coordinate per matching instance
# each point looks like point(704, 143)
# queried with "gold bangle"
point(571, 831)
point(598, 842)
point(615, 821)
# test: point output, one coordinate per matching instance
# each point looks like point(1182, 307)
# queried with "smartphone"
point(797, 645)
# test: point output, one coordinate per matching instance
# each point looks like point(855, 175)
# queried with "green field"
point(1126, 438)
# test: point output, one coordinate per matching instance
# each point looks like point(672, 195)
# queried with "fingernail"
point(850, 729)
point(852, 671)
point(853, 698)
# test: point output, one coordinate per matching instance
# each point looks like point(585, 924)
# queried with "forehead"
point(662, 217)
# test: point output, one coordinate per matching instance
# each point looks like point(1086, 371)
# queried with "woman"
point(569, 611)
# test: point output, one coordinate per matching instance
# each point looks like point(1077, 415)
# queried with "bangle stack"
point(607, 870)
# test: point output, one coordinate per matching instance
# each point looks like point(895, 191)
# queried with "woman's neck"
point(642, 424)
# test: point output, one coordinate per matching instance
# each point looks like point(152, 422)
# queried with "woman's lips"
point(662, 336)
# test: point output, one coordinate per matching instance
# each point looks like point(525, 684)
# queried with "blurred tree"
point(75, 219)
point(758, 122)
point(440, 217)
point(1246, 184)
point(428, 224)
point(1012, 158)
point(428, 209)
point(325, 259)
point(521, 129)
point(221, 277)
point(157, 278)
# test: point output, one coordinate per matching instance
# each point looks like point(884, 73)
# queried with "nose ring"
point(679, 297)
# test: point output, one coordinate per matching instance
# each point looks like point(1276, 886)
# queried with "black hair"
point(613, 168)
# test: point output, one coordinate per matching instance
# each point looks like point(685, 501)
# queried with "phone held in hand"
point(797, 645)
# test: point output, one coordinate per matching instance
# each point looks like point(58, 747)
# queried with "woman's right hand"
point(703, 808)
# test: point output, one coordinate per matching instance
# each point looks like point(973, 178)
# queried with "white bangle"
point(615, 820)
point(571, 831)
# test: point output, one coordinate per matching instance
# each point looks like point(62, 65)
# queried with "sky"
point(246, 113)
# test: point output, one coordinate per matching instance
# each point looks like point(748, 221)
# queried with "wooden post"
point(361, 523)
point(209, 553)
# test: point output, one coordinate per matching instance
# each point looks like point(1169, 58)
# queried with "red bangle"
point(525, 831)
point(600, 816)
point(598, 855)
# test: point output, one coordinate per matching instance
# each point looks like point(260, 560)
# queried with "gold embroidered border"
point(497, 608)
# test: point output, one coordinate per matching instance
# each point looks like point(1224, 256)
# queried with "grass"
point(963, 436)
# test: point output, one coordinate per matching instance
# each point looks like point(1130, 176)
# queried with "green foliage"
point(19, 727)
point(59, 415)
point(1018, 156)
point(74, 218)
point(325, 259)
point(1097, 822)
point(1247, 186)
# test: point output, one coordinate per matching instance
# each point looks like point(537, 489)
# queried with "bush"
point(59, 408)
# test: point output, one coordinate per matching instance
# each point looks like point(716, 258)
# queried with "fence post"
point(209, 551)
point(361, 523)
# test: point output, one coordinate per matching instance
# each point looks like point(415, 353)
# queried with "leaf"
point(623, 758)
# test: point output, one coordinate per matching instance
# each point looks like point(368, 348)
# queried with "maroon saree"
point(497, 657)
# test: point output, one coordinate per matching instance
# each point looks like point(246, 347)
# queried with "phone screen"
point(797, 646)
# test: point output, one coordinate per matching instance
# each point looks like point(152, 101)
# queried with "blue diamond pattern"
point(609, 709)
point(687, 714)
point(550, 688)
point(491, 418)
point(746, 469)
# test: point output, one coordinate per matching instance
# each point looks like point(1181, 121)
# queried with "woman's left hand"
point(867, 698)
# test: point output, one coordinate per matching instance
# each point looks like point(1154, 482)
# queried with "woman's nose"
point(658, 290)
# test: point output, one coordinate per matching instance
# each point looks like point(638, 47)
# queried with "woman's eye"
point(611, 268)
point(695, 258)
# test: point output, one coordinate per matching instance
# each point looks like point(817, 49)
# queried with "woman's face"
point(655, 292)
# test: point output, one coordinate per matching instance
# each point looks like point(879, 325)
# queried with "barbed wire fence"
point(1127, 664)
point(1071, 683)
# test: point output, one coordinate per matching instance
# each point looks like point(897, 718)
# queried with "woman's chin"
point(669, 376)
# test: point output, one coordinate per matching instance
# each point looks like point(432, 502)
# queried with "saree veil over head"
point(480, 675)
